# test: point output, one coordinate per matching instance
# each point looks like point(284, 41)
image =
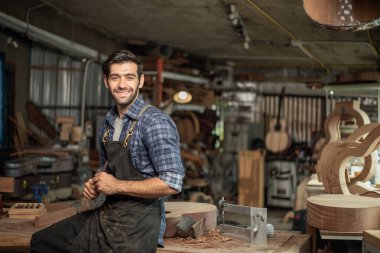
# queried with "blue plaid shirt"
point(154, 147)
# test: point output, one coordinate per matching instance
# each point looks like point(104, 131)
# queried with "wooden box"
point(26, 210)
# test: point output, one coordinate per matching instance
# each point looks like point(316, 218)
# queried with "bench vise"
point(254, 232)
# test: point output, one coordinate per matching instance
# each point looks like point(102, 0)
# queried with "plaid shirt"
point(154, 146)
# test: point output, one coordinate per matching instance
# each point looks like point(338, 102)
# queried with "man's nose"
point(123, 81)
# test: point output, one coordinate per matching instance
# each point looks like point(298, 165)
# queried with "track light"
point(238, 26)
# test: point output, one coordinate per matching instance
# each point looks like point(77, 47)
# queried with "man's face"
point(123, 82)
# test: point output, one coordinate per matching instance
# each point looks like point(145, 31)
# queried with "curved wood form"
point(175, 211)
point(333, 162)
point(343, 110)
point(359, 188)
point(347, 15)
point(343, 213)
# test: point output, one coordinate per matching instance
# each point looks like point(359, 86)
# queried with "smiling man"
point(140, 162)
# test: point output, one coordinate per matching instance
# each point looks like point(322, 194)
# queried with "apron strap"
point(133, 124)
point(105, 135)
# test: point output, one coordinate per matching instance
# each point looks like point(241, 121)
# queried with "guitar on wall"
point(345, 15)
point(277, 139)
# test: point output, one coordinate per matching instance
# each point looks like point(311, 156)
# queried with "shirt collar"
point(132, 112)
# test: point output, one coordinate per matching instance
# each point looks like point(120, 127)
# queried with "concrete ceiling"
point(283, 39)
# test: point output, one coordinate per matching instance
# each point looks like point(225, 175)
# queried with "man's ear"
point(141, 84)
point(105, 80)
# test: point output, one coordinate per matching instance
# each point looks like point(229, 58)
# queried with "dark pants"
point(60, 236)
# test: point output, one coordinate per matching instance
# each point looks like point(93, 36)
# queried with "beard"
point(124, 102)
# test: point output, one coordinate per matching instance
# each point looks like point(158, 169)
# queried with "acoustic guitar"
point(347, 15)
point(277, 139)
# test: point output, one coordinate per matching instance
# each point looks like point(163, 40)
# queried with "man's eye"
point(130, 78)
point(114, 78)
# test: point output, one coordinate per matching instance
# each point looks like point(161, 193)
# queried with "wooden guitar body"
point(347, 15)
point(175, 211)
point(277, 140)
point(343, 213)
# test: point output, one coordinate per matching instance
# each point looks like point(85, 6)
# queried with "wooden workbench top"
point(372, 237)
point(212, 242)
point(16, 233)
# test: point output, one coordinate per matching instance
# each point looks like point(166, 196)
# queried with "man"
point(140, 160)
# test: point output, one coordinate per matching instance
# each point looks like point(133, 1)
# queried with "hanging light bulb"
point(182, 97)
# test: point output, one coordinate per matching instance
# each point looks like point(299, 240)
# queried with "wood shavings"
point(210, 236)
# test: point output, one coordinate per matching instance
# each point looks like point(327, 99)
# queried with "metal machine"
point(238, 216)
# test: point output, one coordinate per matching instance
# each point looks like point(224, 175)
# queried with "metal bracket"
point(255, 233)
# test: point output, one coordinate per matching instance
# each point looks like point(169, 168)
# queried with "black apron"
point(121, 224)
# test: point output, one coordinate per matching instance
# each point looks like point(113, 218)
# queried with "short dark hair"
point(122, 56)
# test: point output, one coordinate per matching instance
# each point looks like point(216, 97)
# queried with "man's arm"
point(148, 188)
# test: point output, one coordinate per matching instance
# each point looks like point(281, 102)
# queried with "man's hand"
point(106, 183)
point(89, 191)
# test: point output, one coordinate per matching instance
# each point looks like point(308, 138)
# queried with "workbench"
point(371, 241)
point(15, 234)
point(212, 242)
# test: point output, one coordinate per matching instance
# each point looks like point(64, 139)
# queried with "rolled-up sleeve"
point(162, 140)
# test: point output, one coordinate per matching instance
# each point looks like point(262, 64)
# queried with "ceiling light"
point(238, 26)
point(182, 97)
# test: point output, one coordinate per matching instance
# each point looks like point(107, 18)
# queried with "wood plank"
point(335, 212)
point(21, 129)
point(251, 178)
point(43, 152)
point(17, 144)
point(53, 217)
point(36, 117)
point(7, 184)
point(30, 132)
